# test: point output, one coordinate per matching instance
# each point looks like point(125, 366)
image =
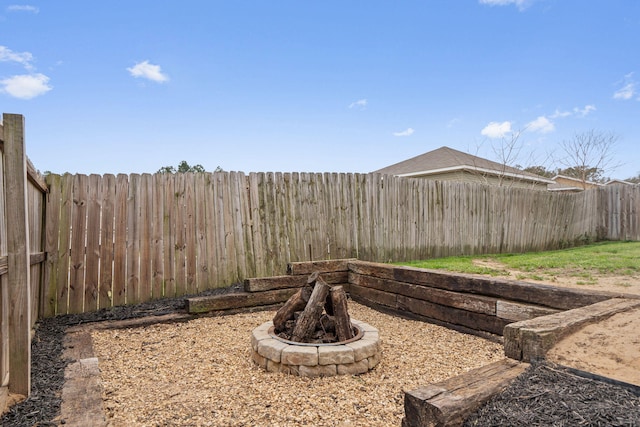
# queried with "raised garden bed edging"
point(474, 303)
point(270, 292)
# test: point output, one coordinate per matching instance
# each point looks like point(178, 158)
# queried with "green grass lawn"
point(605, 258)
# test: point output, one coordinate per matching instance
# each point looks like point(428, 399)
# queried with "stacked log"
point(317, 313)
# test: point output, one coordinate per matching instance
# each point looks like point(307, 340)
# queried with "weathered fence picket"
point(107, 233)
point(22, 254)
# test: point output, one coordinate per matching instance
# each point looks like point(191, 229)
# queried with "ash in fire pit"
point(317, 313)
point(312, 335)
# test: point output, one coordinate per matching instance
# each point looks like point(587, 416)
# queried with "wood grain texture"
point(78, 248)
point(92, 271)
point(450, 402)
point(107, 233)
point(18, 267)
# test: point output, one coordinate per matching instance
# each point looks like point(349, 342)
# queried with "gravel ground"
point(199, 373)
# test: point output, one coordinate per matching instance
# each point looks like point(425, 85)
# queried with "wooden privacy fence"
point(114, 240)
point(21, 256)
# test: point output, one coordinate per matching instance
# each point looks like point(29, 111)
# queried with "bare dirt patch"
point(200, 373)
point(611, 347)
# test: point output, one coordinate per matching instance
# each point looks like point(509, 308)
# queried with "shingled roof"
point(446, 159)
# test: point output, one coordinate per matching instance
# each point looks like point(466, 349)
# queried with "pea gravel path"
point(199, 373)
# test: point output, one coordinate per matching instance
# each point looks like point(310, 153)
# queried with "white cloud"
point(451, 123)
point(584, 111)
point(361, 103)
point(520, 4)
point(407, 132)
point(628, 89)
point(576, 111)
point(148, 71)
point(22, 58)
point(23, 8)
point(25, 86)
point(22, 86)
point(541, 124)
point(496, 130)
point(626, 92)
point(560, 114)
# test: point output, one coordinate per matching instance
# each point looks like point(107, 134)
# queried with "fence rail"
point(114, 240)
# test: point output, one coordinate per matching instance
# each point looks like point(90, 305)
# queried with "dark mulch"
point(550, 395)
point(545, 395)
point(48, 365)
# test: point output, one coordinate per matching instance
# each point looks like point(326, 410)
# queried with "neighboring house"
point(571, 185)
point(618, 181)
point(447, 164)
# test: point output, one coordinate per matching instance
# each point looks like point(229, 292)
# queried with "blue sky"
point(331, 86)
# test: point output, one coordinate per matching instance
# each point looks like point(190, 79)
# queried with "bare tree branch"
point(589, 155)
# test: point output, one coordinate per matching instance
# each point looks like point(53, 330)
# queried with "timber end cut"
point(450, 402)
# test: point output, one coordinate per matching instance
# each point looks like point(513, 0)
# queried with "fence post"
point(18, 255)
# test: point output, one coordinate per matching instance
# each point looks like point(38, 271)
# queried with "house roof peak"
point(448, 159)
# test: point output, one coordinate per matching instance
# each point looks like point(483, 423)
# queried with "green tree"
point(634, 179)
point(584, 173)
point(540, 170)
point(184, 167)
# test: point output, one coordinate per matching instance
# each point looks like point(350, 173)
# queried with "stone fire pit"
point(355, 356)
point(313, 335)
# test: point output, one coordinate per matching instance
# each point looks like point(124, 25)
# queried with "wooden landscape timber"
point(472, 304)
point(370, 296)
point(326, 266)
point(531, 293)
point(453, 316)
point(281, 282)
point(516, 312)
point(530, 340)
point(450, 402)
point(206, 304)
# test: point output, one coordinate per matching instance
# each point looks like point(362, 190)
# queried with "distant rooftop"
point(445, 159)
